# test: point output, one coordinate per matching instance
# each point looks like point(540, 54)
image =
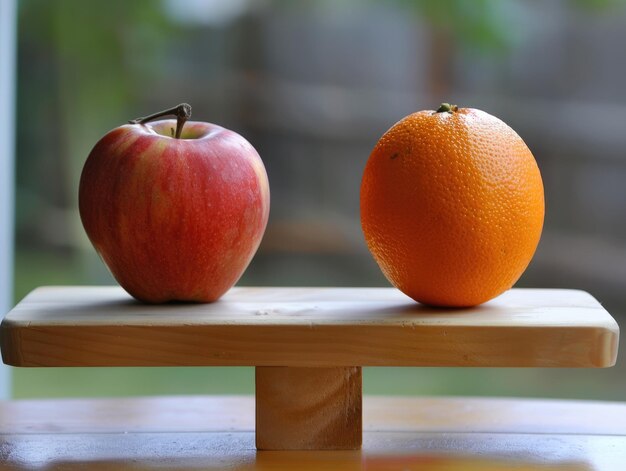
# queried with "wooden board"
point(214, 433)
point(307, 327)
point(308, 408)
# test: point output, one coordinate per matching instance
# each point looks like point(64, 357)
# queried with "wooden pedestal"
point(308, 408)
point(308, 344)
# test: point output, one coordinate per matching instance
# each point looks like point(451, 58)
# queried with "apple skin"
point(174, 219)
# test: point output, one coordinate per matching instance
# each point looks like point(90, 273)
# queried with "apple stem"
point(447, 108)
point(182, 113)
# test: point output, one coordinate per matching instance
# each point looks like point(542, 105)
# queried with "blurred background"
point(313, 85)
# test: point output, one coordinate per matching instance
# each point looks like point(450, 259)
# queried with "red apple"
point(175, 210)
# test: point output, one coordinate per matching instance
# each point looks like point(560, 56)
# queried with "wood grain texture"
point(380, 414)
point(382, 451)
point(307, 327)
point(308, 408)
point(215, 433)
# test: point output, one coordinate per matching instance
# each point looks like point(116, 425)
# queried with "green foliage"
point(82, 68)
point(598, 5)
point(487, 25)
point(97, 59)
point(90, 37)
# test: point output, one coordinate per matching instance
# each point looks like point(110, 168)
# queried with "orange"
point(452, 206)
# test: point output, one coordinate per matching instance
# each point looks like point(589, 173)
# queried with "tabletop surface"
point(214, 433)
point(307, 327)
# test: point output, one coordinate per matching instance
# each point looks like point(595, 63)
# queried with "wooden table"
point(211, 433)
point(308, 344)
